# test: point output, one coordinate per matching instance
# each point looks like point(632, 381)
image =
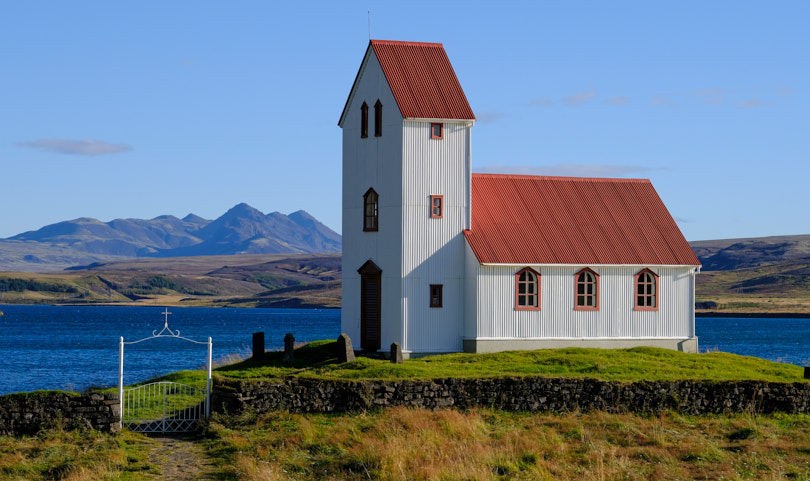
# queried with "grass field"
point(413, 444)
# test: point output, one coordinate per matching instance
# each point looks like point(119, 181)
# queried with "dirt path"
point(180, 459)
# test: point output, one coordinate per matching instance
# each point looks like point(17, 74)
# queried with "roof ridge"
point(560, 178)
point(406, 43)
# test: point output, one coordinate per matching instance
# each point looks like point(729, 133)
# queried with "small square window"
point(436, 131)
point(436, 206)
point(435, 295)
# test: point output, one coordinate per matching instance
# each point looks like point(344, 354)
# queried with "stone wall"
point(513, 394)
point(28, 413)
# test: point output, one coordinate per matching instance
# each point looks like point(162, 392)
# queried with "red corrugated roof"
point(522, 219)
point(422, 80)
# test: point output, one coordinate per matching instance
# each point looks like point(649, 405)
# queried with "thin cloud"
point(786, 91)
point(618, 100)
point(566, 170)
point(489, 117)
point(663, 101)
point(712, 96)
point(76, 147)
point(540, 103)
point(682, 220)
point(579, 98)
point(749, 104)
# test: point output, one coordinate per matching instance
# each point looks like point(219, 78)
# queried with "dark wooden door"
point(370, 312)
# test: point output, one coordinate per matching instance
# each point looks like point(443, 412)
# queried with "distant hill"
point(246, 280)
point(754, 275)
point(241, 230)
point(730, 254)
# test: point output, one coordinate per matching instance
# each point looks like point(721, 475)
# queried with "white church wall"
point(433, 249)
point(616, 319)
point(372, 162)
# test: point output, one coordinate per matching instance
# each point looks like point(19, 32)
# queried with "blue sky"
point(138, 109)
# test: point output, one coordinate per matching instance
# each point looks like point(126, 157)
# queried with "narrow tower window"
point(587, 291)
point(527, 290)
point(436, 206)
point(378, 119)
point(364, 121)
point(436, 131)
point(370, 211)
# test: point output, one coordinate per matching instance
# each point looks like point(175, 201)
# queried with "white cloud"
point(712, 96)
point(618, 100)
point(749, 104)
point(580, 98)
point(663, 101)
point(540, 102)
point(565, 170)
point(76, 147)
point(489, 117)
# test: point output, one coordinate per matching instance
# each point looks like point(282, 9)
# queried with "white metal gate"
point(162, 407)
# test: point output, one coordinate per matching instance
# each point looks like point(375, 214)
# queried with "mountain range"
point(241, 230)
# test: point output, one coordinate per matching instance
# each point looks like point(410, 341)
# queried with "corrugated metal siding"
point(433, 249)
point(422, 79)
point(562, 220)
point(372, 162)
point(497, 318)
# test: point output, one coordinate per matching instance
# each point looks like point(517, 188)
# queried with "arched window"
point(371, 203)
point(586, 290)
point(646, 297)
point(378, 119)
point(364, 120)
point(527, 290)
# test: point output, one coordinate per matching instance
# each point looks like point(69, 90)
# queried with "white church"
point(440, 259)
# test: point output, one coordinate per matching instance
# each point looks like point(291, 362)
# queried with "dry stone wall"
point(28, 413)
point(514, 394)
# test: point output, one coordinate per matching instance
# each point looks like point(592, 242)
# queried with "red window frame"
point(436, 295)
point(528, 289)
point(436, 206)
point(371, 211)
point(641, 291)
point(378, 119)
point(434, 134)
point(585, 285)
point(364, 121)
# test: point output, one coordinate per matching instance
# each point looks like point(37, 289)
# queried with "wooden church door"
point(370, 290)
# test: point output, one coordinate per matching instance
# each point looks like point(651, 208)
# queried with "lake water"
point(68, 347)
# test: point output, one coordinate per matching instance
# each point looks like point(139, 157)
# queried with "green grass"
point(316, 360)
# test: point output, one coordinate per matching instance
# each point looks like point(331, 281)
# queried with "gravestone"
point(258, 345)
point(289, 348)
point(345, 353)
point(396, 353)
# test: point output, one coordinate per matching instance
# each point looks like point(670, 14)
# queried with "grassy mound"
point(317, 360)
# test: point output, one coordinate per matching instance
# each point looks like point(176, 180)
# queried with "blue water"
point(58, 347)
point(66, 347)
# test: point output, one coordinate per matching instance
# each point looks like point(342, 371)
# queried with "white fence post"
point(121, 383)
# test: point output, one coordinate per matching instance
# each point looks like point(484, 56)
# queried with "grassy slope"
point(316, 360)
point(305, 280)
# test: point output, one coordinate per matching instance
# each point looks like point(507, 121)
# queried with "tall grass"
point(74, 456)
point(413, 444)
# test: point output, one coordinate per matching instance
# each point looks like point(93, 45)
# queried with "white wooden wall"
point(496, 318)
point(433, 249)
point(372, 162)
